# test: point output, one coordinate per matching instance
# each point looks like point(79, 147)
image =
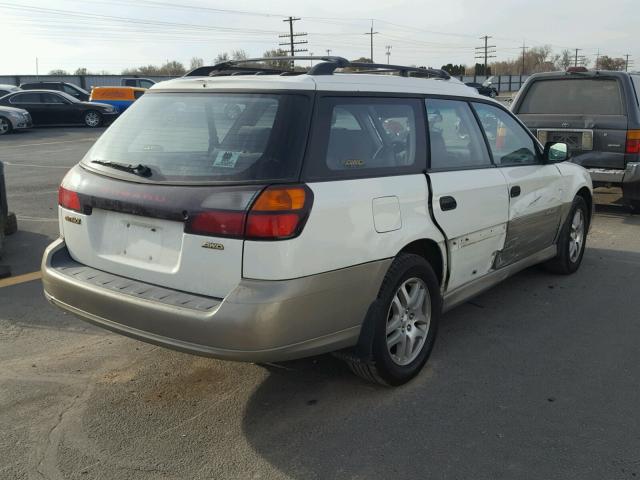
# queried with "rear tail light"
point(633, 142)
point(69, 199)
point(278, 213)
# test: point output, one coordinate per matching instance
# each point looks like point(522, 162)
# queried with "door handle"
point(448, 203)
point(515, 191)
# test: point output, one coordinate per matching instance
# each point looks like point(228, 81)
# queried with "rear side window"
point(137, 94)
point(356, 137)
point(454, 136)
point(510, 144)
point(573, 96)
point(636, 84)
point(26, 98)
point(210, 137)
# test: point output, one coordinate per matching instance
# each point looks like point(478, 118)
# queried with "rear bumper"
point(628, 179)
point(258, 321)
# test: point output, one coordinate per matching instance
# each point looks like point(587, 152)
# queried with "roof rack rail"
point(327, 66)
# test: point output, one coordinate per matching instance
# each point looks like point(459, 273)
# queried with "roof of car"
point(339, 82)
point(588, 74)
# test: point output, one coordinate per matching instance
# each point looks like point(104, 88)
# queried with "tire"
point(5, 126)
point(572, 237)
point(390, 364)
point(11, 224)
point(92, 119)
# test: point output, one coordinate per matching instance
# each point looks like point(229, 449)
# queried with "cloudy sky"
point(115, 34)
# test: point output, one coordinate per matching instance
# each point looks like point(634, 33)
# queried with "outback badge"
point(213, 246)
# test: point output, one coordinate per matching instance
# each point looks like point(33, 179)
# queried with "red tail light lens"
point(69, 199)
point(224, 223)
point(633, 141)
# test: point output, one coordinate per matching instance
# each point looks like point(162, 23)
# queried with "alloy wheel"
point(92, 119)
point(4, 126)
point(576, 236)
point(408, 321)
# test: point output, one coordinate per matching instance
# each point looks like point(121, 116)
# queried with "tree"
point(565, 60)
point(455, 70)
point(173, 68)
point(81, 71)
point(221, 57)
point(58, 71)
point(239, 54)
point(196, 62)
point(609, 63)
point(280, 64)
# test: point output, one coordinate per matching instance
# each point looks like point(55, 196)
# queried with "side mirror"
point(556, 152)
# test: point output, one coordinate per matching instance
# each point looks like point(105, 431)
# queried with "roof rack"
point(327, 66)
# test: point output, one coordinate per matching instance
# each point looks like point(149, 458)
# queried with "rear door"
point(469, 195)
point(535, 189)
point(32, 102)
point(586, 113)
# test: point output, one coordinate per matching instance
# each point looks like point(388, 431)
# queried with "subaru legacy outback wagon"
point(255, 214)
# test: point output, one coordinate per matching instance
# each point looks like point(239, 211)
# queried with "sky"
point(110, 35)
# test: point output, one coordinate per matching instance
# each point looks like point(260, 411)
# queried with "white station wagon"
point(251, 213)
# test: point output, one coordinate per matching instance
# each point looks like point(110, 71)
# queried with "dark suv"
point(597, 113)
point(68, 88)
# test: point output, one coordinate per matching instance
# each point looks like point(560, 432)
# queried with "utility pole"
point(37, 71)
point(598, 60)
point(328, 52)
point(388, 53)
point(292, 38)
point(488, 51)
point(575, 63)
point(626, 62)
point(371, 33)
point(524, 50)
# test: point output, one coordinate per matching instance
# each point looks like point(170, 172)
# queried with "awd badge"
point(75, 220)
point(213, 246)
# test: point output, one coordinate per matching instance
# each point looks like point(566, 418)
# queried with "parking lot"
point(538, 378)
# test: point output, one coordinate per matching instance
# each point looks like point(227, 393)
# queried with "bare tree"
point(239, 55)
point(609, 63)
point(221, 57)
point(281, 64)
point(58, 71)
point(195, 63)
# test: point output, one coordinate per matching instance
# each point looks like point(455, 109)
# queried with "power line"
point(371, 33)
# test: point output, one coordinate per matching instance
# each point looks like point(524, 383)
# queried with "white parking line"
point(28, 194)
point(36, 219)
point(53, 143)
point(11, 164)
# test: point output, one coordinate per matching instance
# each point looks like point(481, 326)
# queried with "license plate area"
point(143, 242)
point(576, 140)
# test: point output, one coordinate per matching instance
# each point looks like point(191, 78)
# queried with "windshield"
point(577, 96)
point(209, 137)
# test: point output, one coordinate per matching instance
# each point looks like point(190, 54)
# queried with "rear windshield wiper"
point(140, 170)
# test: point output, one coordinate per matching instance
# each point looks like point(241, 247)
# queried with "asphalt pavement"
point(536, 379)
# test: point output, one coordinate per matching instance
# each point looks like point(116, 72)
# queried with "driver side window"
point(509, 142)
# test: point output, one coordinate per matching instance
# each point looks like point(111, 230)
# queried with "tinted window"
point(367, 136)
point(51, 98)
point(192, 137)
point(146, 83)
point(455, 137)
point(70, 90)
point(137, 94)
point(579, 96)
point(26, 98)
point(636, 83)
point(509, 142)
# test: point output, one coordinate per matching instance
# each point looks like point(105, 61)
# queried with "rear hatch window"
point(574, 96)
point(208, 138)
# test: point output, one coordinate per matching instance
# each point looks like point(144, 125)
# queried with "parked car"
point(597, 113)
point(333, 213)
point(137, 82)
point(57, 108)
point(120, 98)
point(5, 89)
point(485, 88)
point(12, 119)
point(68, 88)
